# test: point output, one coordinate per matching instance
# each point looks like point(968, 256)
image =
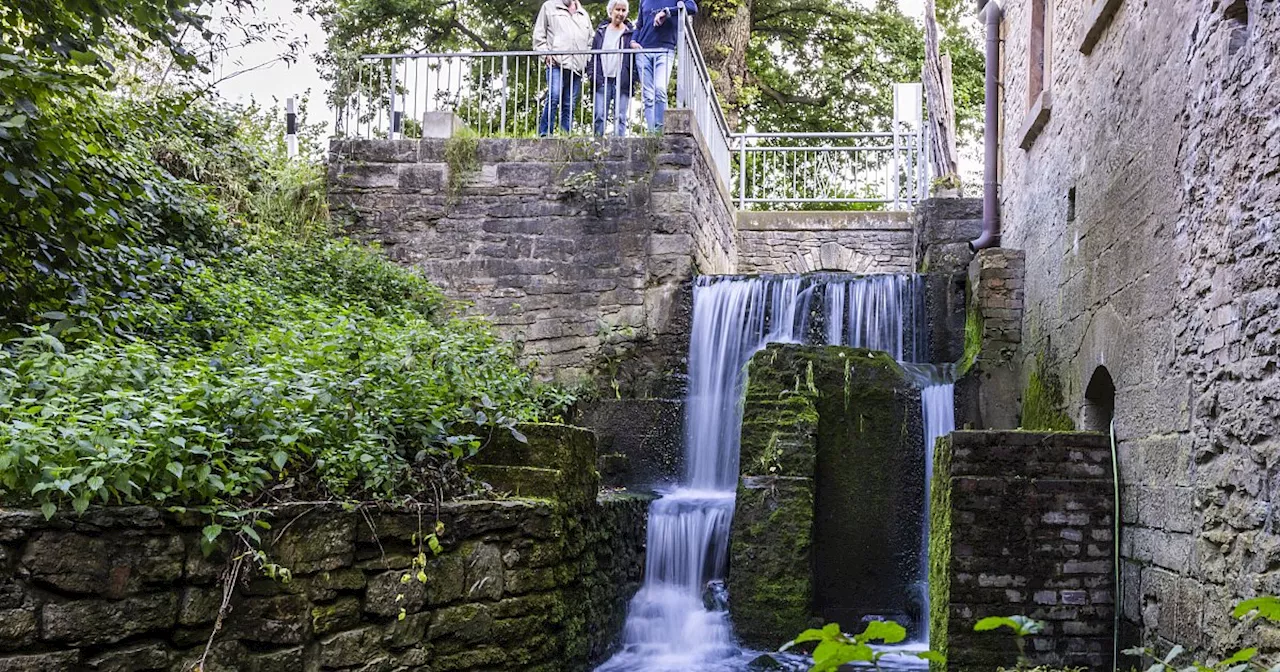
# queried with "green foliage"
point(836, 648)
point(1266, 607)
point(1042, 401)
point(1022, 627)
point(462, 156)
point(814, 65)
point(312, 372)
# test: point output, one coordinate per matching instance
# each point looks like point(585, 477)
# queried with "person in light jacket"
point(657, 30)
point(562, 25)
point(613, 75)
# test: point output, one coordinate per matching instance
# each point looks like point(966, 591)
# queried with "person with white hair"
point(613, 74)
point(561, 26)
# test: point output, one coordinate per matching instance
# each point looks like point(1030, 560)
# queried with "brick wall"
point(1022, 524)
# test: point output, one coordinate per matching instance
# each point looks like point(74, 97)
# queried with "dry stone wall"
point(1022, 524)
point(1146, 209)
point(521, 585)
point(582, 250)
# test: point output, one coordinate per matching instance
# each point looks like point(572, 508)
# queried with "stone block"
point(40, 662)
point(92, 622)
point(17, 629)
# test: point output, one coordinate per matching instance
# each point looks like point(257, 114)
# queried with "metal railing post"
point(742, 172)
point(895, 183)
point(391, 91)
point(502, 124)
point(682, 58)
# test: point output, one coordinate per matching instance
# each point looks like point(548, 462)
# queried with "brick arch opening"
point(1099, 402)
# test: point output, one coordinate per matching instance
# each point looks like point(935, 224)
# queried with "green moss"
point(1042, 401)
point(462, 155)
point(973, 327)
point(940, 550)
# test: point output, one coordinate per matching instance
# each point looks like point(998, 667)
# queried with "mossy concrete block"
point(770, 559)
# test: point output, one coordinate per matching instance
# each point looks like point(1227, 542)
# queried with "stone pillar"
point(943, 229)
point(1022, 523)
point(988, 392)
point(828, 519)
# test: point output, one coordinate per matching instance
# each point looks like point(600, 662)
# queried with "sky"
point(281, 80)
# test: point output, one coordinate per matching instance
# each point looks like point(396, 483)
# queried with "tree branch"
point(785, 99)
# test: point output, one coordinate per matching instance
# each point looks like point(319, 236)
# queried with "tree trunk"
point(939, 101)
point(724, 33)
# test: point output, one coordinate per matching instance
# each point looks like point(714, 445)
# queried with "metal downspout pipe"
point(991, 129)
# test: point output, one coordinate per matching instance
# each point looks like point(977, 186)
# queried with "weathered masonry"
point(583, 249)
point(1141, 177)
point(1022, 522)
point(522, 584)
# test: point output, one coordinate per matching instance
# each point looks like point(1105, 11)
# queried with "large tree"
point(778, 65)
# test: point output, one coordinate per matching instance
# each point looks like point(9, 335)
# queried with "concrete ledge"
point(1037, 118)
point(821, 220)
point(1096, 21)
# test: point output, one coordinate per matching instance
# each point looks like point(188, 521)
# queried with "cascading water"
point(677, 620)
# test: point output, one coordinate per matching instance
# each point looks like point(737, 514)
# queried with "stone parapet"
point(804, 241)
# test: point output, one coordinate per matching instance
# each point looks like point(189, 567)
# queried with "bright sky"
point(281, 80)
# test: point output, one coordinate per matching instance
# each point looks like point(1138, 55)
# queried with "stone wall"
point(989, 391)
point(1022, 524)
point(1145, 208)
point(583, 250)
point(831, 452)
point(521, 585)
point(800, 242)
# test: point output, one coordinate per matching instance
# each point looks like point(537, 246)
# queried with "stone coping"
point(824, 220)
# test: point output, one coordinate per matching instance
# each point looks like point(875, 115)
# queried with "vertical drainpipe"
point(991, 129)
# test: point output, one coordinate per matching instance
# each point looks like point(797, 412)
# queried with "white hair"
point(609, 8)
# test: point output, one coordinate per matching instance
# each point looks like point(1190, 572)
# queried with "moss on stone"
point(773, 532)
point(940, 550)
point(1042, 401)
point(973, 326)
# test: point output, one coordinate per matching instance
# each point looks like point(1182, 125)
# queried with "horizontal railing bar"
point(817, 200)
point(799, 149)
point(807, 134)
point(499, 54)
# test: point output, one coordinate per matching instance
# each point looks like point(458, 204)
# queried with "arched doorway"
point(1099, 402)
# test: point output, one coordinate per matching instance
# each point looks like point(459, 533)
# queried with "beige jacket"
point(557, 29)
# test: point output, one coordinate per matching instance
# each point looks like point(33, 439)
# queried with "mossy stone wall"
point(521, 584)
point(828, 435)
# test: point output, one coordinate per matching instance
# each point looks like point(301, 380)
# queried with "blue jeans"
point(608, 92)
point(655, 71)
point(563, 89)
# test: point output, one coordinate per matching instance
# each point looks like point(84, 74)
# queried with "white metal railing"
point(803, 169)
point(694, 91)
point(507, 94)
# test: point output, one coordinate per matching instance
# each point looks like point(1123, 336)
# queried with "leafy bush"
point(290, 371)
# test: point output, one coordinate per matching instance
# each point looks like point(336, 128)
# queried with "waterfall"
point(677, 620)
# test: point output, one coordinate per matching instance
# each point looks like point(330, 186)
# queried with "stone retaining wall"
point(800, 242)
point(1022, 523)
point(521, 585)
point(581, 249)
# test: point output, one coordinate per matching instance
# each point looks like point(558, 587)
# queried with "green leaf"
point(1267, 606)
point(211, 532)
point(279, 458)
point(994, 622)
point(932, 656)
point(174, 468)
point(1241, 656)
point(887, 632)
point(48, 509)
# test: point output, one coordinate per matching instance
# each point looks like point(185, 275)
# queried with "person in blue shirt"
point(657, 30)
